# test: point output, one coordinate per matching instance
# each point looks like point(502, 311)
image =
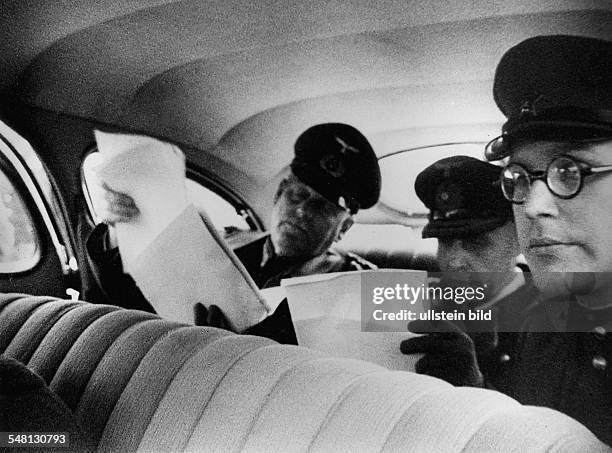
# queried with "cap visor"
point(461, 228)
point(561, 130)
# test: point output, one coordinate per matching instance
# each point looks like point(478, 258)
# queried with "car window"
point(221, 212)
point(397, 221)
point(400, 169)
point(19, 240)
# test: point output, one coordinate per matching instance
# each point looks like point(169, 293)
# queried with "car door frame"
point(36, 185)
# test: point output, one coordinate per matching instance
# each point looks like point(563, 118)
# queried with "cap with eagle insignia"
point(337, 161)
point(556, 88)
point(463, 196)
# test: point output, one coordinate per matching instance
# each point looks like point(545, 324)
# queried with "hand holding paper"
point(172, 251)
point(152, 173)
point(118, 207)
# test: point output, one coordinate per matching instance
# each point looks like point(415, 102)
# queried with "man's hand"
point(450, 354)
point(118, 207)
point(212, 316)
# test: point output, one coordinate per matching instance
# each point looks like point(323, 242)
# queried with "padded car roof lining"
point(239, 80)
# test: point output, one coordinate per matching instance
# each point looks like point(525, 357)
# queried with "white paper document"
point(326, 312)
point(172, 251)
point(153, 174)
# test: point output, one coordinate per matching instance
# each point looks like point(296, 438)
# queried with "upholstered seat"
point(140, 383)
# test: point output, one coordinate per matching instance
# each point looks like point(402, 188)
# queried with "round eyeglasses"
point(563, 177)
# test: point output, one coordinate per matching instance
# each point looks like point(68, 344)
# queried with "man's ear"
point(346, 224)
point(281, 187)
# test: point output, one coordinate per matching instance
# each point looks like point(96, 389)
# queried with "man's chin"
point(557, 281)
point(289, 247)
point(549, 273)
point(291, 230)
point(551, 284)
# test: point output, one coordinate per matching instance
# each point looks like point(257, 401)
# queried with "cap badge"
point(333, 162)
point(344, 147)
point(448, 198)
point(528, 108)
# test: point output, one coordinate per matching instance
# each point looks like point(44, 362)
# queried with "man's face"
point(491, 252)
point(304, 223)
point(561, 235)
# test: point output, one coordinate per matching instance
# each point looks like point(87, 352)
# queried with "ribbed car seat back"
point(140, 383)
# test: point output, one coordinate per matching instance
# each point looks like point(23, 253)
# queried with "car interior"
point(233, 84)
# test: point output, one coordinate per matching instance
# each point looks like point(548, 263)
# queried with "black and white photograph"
point(305, 226)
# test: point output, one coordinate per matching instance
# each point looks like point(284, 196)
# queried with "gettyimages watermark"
point(480, 302)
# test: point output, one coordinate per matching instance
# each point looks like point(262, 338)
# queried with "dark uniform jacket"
point(510, 313)
point(496, 342)
point(543, 365)
point(117, 288)
point(567, 371)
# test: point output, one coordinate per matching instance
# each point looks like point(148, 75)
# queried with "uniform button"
point(504, 358)
point(599, 332)
point(600, 362)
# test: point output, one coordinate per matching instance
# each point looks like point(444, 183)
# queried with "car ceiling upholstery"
point(239, 80)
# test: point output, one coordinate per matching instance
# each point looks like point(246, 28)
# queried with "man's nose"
point(540, 201)
point(300, 209)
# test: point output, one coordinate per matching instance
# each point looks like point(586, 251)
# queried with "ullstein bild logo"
point(432, 315)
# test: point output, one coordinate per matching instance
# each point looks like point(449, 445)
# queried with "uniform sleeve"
point(118, 287)
point(278, 326)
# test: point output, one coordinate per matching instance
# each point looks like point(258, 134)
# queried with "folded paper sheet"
point(172, 251)
point(326, 312)
point(152, 172)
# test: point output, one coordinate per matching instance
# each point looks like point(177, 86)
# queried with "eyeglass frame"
point(542, 175)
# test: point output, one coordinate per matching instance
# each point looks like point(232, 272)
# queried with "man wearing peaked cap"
point(556, 92)
point(334, 173)
point(464, 197)
point(476, 237)
point(554, 87)
point(338, 161)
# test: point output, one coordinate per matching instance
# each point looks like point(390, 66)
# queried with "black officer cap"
point(337, 161)
point(554, 88)
point(464, 197)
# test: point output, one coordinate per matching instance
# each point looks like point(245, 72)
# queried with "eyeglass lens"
point(563, 178)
